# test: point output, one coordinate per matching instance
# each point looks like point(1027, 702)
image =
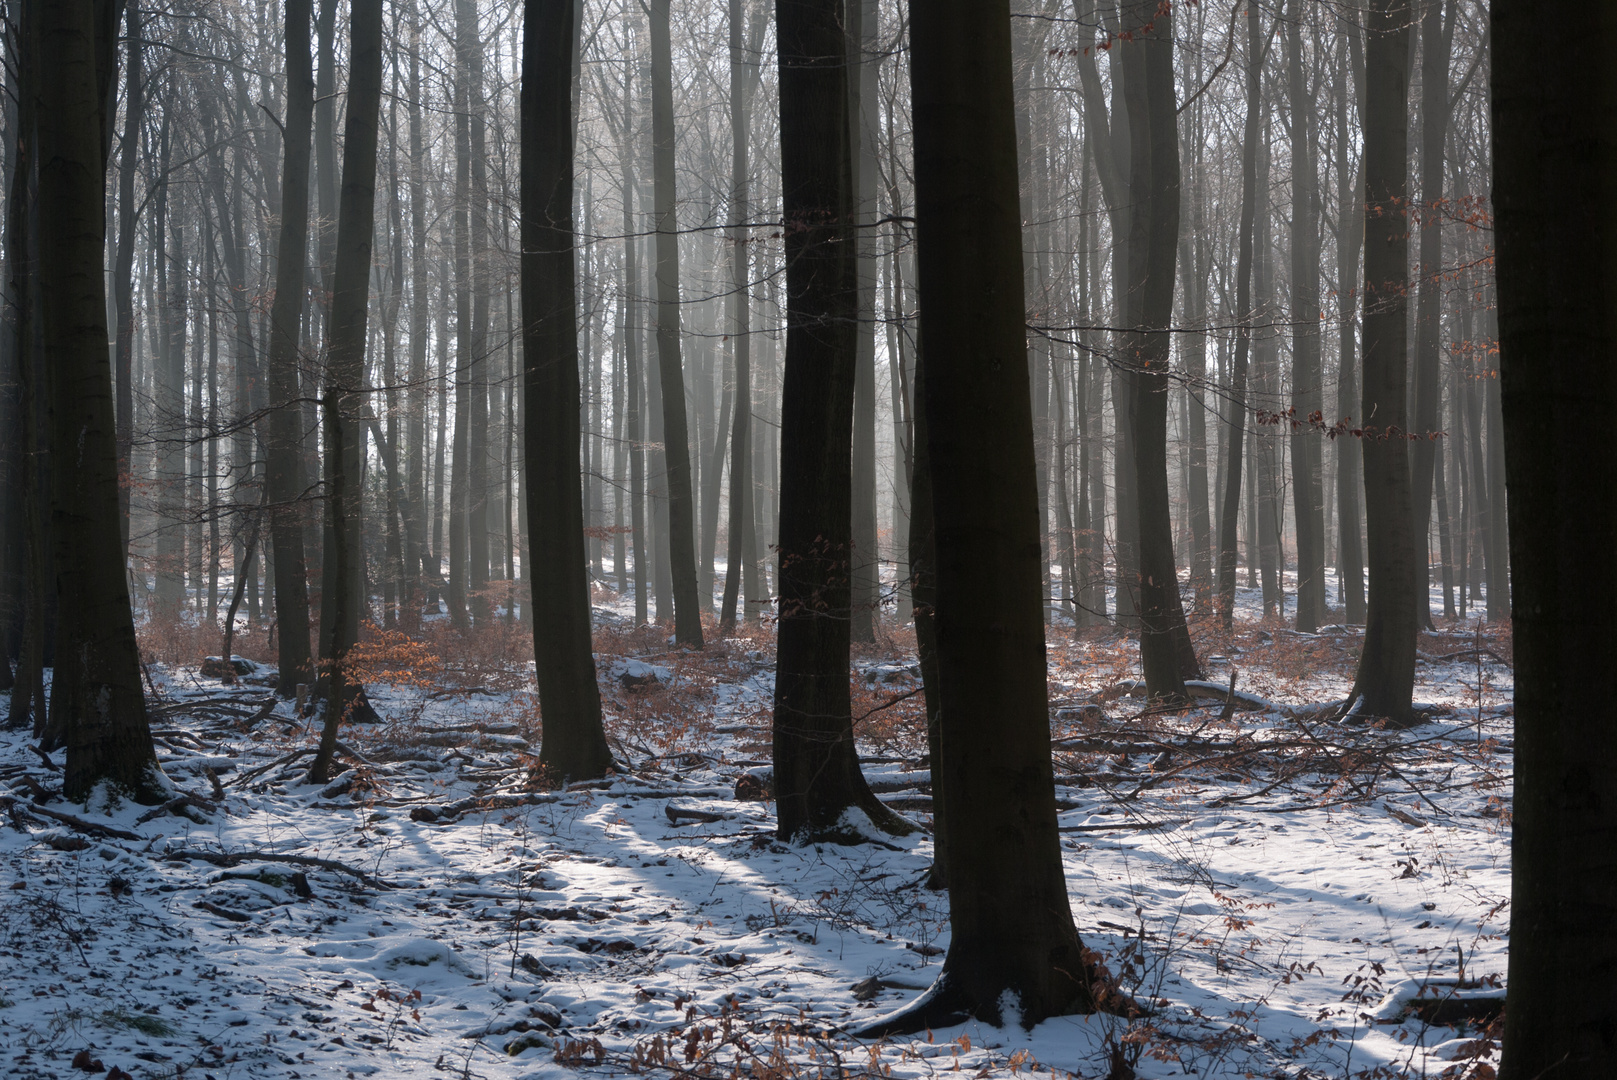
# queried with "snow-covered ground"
point(1279, 887)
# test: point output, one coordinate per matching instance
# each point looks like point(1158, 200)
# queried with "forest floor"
point(1296, 898)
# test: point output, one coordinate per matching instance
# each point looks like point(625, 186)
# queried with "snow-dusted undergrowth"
point(1288, 893)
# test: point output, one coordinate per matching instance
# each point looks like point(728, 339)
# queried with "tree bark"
point(863, 555)
point(123, 276)
point(1229, 517)
point(817, 777)
point(676, 436)
point(574, 745)
point(1014, 951)
point(1555, 189)
point(345, 375)
point(97, 699)
point(1165, 650)
point(1349, 234)
point(1307, 398)
point(1427, 217)
point(286, 482)
point(1384, 686)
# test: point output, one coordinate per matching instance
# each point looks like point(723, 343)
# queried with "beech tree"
point(97, 699)
point(817, 777)
point(1384, 685)
point(284, 469)
point(1013, 943)
point(1555, 204)
point(343, 399)
point(574, 743)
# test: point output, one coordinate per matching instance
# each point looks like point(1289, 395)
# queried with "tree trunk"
point(1014, 950)
point(469, 43)
point(1349, 234)
point(1555, 187)
point(817, 777)
point(1229, 517)
point(1427, 218)
point(97, 700)
point(123, 277)
point(743, 75)
point(344, 396)
point(1307, 398)
point(1385, 683)
point(1165, 650)
point(574, 745)
point(676, 438)
point(415, 507)
point(863, 555)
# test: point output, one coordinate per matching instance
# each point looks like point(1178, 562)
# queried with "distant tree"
point(817, 777)
point(742, 549)
point(688, 606)
point(97, 700)
point(1014, 951)
point(284, 467)
point(1385, 684)
point(1229, 515)
point(1436, 36)
point(1555, 203)
point(574, 744)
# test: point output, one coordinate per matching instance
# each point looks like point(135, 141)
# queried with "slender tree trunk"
point(675, 435)
point(1307, 398)
point(415, 532)
point(123, 277)
point(1349, 233)
point(1165, 650)
point(97, 700)
point(1426, 218)
point(923, 557)
point(1229, 517)
point(468, 40)
point(1385, 682)
point(864, 559)
point(817, 777)
point(636, 381)
point(742, 76)
point(1013, 943)
point(344, 397)
point(460, 476)
point(574, 745)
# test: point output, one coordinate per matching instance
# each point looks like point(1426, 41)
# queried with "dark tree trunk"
point(123, 277)
point(1165, 650)
point(1386, 679)
point(286, 481)
point(1427, 218)
point(1349, 193)
point(1307, 398)
point(817, 777)
point(688, 604)
point(743, 76)
point(863, 555)
point(1013, 941)
point(1229, 516)
point(574, 745)
point(97, 700)
point(469, 43)
point(344, 395)
point(460, 476)
point(1555, 190)
point(415, 533)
